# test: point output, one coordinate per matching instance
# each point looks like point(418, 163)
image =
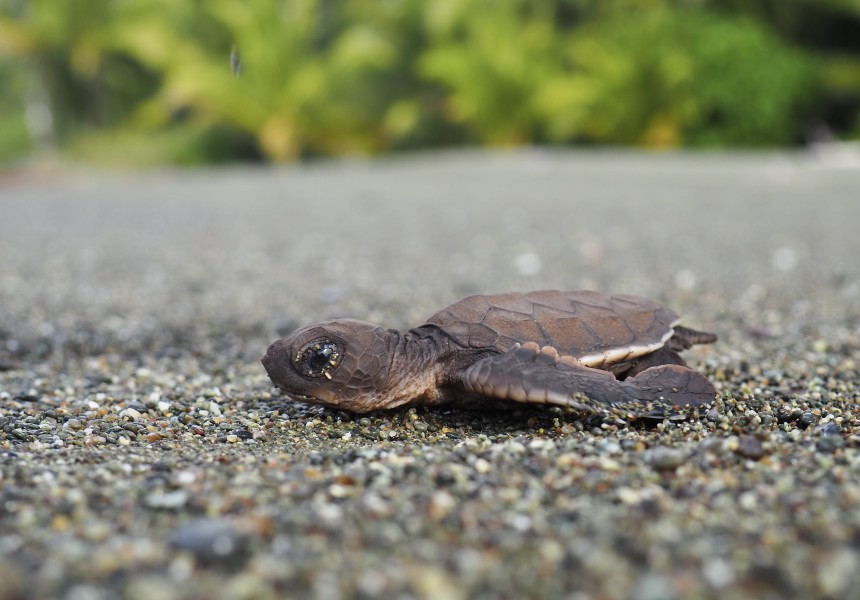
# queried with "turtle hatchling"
point(596, 353)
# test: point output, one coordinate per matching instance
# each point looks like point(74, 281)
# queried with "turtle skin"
point(596, 353)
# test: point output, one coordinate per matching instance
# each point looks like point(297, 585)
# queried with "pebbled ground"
point(144, 454)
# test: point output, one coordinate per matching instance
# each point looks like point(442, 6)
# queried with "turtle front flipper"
point(531, 374)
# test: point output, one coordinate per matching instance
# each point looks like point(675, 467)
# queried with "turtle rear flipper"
point(671, 386)
point(531, 374)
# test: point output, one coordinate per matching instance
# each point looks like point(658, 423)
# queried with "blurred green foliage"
point(147, 81)
point(14, 138)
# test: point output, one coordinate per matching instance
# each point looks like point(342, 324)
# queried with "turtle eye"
point(318, 358)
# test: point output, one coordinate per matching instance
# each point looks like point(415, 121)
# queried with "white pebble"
point(685, 279)
point(130, 413)
point(784, 259)
point(482, 466)
point(528, 263)
point(719, 573)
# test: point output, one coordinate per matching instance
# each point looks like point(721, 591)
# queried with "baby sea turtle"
point(590, 351)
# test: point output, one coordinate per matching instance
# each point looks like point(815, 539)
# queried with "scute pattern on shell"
point(580, 323)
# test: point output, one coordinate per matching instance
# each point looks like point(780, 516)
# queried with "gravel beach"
point(144, 453)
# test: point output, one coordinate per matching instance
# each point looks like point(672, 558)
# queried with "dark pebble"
point(750, 446)
point(212, 541)
point(787, 415)
point(806, 419)
point(829, 443)
point(829, 428)
point(21, 435)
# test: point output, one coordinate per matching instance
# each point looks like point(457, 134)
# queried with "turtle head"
point(340, 364)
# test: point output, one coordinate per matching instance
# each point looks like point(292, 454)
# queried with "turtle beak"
point(276, 362)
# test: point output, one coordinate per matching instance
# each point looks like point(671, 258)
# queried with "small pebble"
point(666, 458)
point(750, 446)
point(212, 541)
point(174, 499)
point(131, 413)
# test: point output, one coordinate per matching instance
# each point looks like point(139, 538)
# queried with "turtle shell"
point(598, 329)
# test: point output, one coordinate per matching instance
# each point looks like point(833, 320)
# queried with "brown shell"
point(596, 328)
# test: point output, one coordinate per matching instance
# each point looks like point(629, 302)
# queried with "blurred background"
point(144, 82)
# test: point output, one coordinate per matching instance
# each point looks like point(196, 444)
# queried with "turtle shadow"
point(491, 418)
point(514, 417)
